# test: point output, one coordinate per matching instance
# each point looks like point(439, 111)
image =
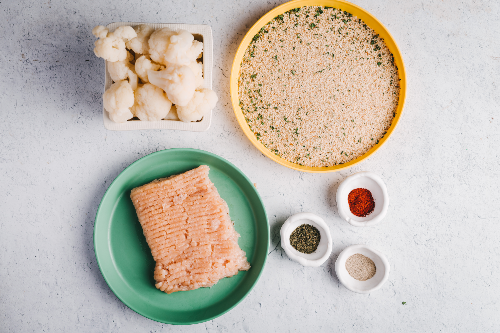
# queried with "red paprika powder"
point(361, 202)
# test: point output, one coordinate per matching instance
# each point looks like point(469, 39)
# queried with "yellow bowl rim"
point(357, 11)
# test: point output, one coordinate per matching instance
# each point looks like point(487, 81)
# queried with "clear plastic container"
point(202, 33)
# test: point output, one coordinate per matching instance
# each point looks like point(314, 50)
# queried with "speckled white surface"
point(441, 166)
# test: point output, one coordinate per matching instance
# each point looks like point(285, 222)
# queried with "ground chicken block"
point(188, 229)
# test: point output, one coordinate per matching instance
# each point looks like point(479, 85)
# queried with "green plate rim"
point(97, 249)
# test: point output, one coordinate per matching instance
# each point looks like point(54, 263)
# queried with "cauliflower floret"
point(112, 46)
point(151, 103)
point(133, 79)
point(197, 69)
point(100, 31)
point(178, 82)
point(124, 32)
point(118, 70)
point(118, 100)
point(167, 46)
point(202, 102)
point(122, 70)
point(143, 65)
point(183, 49)
point(172, 115)
point(111, 49)
point(158, 44)
point(140, 43)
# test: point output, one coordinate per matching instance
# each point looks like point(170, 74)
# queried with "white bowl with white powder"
point(374, 184)
point(363, 287)
point(318, 257)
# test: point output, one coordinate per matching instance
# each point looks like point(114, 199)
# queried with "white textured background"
point(441, 166)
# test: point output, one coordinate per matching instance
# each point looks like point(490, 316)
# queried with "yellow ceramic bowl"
point(371, 21)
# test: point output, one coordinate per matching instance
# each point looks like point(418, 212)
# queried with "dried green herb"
point(305, 238)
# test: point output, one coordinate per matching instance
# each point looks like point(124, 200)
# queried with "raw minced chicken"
point(189, 231)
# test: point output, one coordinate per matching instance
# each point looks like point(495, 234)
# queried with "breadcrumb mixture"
point(318, 87)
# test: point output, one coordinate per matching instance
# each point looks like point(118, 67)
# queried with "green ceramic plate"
point(126, 261)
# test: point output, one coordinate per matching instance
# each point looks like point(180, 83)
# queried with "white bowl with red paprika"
point(362, 199)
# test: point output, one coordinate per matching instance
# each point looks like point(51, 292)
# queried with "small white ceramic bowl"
point(375, 185)
point(318, 257)
point(363, 287)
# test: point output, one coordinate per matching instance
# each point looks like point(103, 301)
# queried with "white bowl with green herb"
point(306, 239)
